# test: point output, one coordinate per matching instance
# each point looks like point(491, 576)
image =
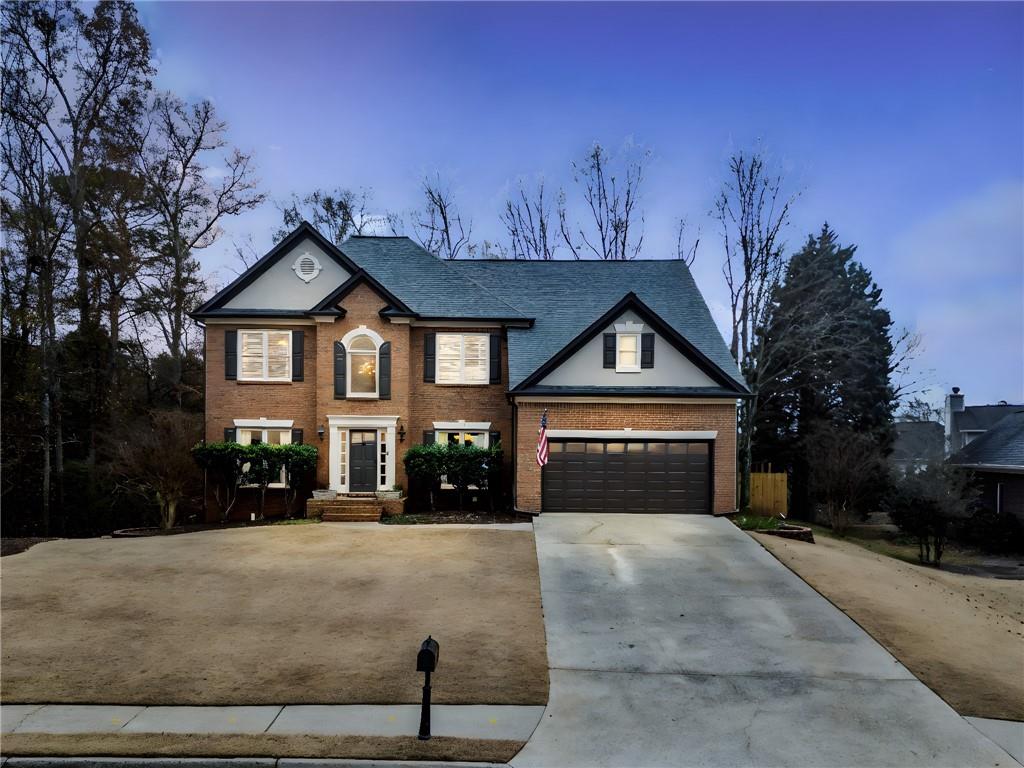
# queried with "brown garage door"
point(627, 476)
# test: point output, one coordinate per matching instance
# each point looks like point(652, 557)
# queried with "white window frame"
point(461, 379)
point(619, 367)
point(264, 429)
point(377, 340)
point(265, 332)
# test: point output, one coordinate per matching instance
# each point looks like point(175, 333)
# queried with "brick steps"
point(346, 509)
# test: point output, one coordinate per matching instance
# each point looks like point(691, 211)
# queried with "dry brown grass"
point(259, 745)
point(962, 635)
point(275, 615)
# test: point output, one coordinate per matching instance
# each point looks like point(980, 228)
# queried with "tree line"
point(112, 190)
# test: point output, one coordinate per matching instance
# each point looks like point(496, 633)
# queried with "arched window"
point(362, 356)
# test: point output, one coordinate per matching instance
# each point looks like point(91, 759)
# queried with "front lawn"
point(273, 615)
point(962, 635)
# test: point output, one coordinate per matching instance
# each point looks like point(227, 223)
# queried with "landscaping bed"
point(475, 517)
point(275, 615)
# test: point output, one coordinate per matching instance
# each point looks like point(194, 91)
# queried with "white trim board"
point(462, 426)
point(256, 323)
point(262, 423)
point(624, 400)
point(633, 434)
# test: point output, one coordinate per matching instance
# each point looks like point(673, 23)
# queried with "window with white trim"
point(627, 352)
point(452, 437)
point(463, 358)
point(382, 443)
point(362, 367)
point(265, 355)
point(343, 453)
point(273, 437)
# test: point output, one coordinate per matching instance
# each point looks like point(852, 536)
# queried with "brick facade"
point(418, 404)
point(664, 416)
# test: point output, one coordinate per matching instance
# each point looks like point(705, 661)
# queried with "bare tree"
point(35, 226)
point(73, 76)
point(686, 251)
point(528, 219)
point(439, 226)
point(190, 196)
point(336, 213)
point(611, 190)
point(844, 472)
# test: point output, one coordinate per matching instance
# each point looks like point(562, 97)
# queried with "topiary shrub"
point(222, 463)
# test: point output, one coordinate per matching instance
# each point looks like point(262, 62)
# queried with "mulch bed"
point(453, 516)
point(13, 546)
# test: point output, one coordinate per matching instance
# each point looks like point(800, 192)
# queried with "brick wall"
point(663, 416)
point(362, 308)
point(229, 400)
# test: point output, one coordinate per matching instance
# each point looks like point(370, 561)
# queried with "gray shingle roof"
point(1001, 446)
point(566, 297)
point(426, 283)
point(983, 417)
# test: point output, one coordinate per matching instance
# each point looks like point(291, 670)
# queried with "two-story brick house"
point(371, 347)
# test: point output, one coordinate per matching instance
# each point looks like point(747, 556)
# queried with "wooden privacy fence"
point(769, 494)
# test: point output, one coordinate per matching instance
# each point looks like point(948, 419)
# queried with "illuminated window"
point(362, 357)
point(271, 436)
point(265, 355)
point(627, 353)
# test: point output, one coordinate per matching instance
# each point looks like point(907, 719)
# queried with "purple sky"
point(900, 124)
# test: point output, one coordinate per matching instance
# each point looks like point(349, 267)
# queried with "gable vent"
point(307, 267)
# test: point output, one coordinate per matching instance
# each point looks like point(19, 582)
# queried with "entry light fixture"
point(320, 432)
point(401, 433)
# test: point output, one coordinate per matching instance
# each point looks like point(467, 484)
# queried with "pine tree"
point(830, 348)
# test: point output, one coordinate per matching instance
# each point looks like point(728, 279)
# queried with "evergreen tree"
point(831, 346)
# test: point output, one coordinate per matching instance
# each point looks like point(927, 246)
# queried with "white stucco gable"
point(586, 367)
point(282, 286)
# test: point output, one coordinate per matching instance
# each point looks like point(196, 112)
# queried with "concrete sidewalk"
point(458, 721)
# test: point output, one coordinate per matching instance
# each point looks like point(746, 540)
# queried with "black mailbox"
point(426, 659)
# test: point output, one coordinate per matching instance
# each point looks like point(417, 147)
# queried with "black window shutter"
point(494, 439)
point(429, 357)
point(339, 371)
point(296, 437)
point(230, 354)
point(609, 350)
point(229, 435)
point(428, 436)
point(298, 348)
point(495, 358)
point(384, 371)
point(646, 350)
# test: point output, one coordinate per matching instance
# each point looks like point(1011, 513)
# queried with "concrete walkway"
point(460, 721)
point(679, 641)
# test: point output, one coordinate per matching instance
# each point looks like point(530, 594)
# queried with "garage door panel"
point(635, 476)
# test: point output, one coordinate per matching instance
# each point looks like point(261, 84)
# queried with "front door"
point(362, 462)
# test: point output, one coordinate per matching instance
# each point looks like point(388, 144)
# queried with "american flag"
point(542, 440)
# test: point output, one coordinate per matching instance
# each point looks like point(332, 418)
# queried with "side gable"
point(272, 284)
point(698, 367)
point(585, 367)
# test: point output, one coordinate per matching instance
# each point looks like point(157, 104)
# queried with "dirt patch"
point(275, 615)
point(258, 745)
point(963, 636)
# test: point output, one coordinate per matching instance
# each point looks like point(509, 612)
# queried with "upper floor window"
point(362, 355)
point(463, 358)
point(265, 355)
point(627, 353)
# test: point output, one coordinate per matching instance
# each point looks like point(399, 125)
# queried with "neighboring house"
point(997, 459)
point(917, 444)
point(376, 345)
point(965, 423)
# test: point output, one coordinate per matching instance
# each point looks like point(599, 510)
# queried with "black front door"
point(362, 461)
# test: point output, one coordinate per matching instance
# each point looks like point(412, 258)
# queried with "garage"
point(643, 476)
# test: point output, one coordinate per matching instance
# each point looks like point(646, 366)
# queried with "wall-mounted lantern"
point(320, 432)
point(401, 433)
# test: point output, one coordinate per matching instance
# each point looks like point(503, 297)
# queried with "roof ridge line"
point(484, 288)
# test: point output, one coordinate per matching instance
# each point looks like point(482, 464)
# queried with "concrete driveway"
point(679, 641)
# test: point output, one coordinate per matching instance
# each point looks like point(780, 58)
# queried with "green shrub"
point(462, 466)
point(424, 465)
point(992, 532)
point(222, 463)
point(756, 522)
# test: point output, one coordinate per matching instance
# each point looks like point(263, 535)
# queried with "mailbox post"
point(426, 662)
